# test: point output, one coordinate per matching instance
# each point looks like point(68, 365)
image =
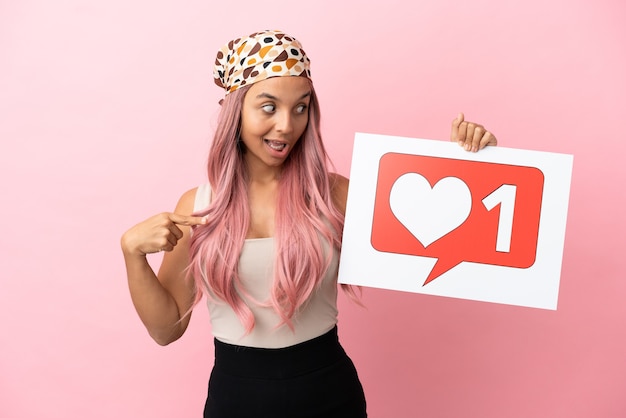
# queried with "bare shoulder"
point(186, 202)
point(339, 190)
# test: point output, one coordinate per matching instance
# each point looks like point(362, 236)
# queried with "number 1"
point(505, 197)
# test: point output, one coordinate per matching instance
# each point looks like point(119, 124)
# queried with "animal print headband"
point(257, 57)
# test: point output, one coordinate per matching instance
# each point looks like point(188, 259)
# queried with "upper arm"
point(172, 273)
point(339, 191)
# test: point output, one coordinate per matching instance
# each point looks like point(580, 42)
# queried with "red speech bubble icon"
point(457, 210)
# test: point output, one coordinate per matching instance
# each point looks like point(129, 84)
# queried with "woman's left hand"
point(469, 135)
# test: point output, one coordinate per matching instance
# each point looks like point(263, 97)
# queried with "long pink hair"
point(306, 218)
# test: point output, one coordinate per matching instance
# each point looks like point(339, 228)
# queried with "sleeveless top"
point(256, 264)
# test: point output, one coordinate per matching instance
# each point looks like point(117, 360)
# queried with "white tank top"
point(256, 265)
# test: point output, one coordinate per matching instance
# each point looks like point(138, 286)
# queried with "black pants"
point(311, 379)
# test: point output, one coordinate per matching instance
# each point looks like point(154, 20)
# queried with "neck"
point(263, 174)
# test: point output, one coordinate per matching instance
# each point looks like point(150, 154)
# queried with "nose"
point(284, 122)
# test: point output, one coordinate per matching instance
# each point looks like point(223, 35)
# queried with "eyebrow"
point(271, 97)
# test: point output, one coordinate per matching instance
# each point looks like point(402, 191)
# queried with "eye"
point(268, 108)
point(301, 108)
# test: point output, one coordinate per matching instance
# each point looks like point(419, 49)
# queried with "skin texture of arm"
point(164, 300)
point(339, 191)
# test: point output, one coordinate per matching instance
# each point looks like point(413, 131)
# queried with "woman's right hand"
point(158, 233)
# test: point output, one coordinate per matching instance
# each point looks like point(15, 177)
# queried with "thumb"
point(454, 133)
point(459, 119)
point(187, 220)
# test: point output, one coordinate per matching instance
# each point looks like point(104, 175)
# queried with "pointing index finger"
point(187, 220)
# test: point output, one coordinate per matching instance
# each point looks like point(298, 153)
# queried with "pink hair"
point(306, 219)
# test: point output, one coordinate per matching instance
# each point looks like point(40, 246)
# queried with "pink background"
point(106, 110)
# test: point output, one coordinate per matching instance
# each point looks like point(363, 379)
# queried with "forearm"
point(155, 306)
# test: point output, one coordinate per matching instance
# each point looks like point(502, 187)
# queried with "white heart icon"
point(427, 212)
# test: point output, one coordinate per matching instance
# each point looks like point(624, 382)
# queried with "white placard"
point(428, 217)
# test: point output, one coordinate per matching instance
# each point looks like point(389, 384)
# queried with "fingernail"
point(467, 147)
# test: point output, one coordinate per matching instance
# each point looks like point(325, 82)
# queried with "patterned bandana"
point(259, 56)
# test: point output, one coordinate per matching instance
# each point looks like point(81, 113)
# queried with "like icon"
point(456, 211)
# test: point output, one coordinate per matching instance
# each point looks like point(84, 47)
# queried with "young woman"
point(261, 240)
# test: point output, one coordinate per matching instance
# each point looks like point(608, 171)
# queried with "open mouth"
point(275, 145)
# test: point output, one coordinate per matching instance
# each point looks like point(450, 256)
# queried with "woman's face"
point(274, 116)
